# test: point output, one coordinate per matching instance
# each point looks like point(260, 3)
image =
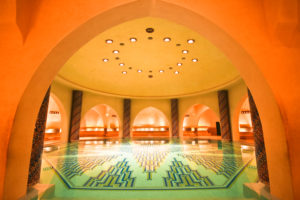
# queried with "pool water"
point(149, 169)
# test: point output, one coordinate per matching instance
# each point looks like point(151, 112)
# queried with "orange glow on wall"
point(199, 120)
point(100, 121)
point(54, 121)
point(245, 123)
point(150, 122)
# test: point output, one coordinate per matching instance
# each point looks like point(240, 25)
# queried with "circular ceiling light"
point(179, 64)
point(178, 45)
point(161, 71)
point(170, 67)
point(150, 38)
point(167, 39)
point(139, 71)
point(149, 30)
point(105, 60)
point(122, 44)
point(185, 51)
point(115, 51)
point(133, 39)
point(194, 59)
point(121, 64)
point(190, 41)
point(176, 72)
point(109, 41)
point(124, 72)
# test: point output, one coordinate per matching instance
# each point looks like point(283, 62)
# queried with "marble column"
point(260, 151)
point(38, 143)
point(75, 115)
point(174, 118)
point(126, 118)
point(224, 115)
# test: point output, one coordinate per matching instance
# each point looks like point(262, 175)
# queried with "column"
point(75, 115)
point(126, 118)
point(38, 143)
point(224, 115)
point(260, 151)
point(174, 117)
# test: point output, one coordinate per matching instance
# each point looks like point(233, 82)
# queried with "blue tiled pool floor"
point(140, 169)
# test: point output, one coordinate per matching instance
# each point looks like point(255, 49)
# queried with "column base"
point(38, 191)
point(258, 191)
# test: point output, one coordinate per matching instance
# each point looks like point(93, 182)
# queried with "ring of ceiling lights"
point(148, 58)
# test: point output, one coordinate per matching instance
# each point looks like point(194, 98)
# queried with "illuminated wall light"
point(167, 39)
point(105, 60)
point(195, 60)
point(139, 71)
point(190, 41)
point(133, 39)
point(179, 64)
point(109, 41)
point(89, 129)
point(151, 129)
point(161, 71)
point(185, 51)
point(124, 72)
point(193, 129)
point(115, 51)
point(121, 64)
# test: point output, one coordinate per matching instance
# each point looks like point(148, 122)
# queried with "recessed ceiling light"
point(183, 58)
point(178, 45)
point(115, 51)
point(150, 38)
point(122, 44)
point(176, 72)
point(167, 39)
point(139, 70)
point(121, 64)
point(117, 58)
point(105, 60)
point(109, 41)
point(124, 72)
point(161, 71)
point(185, 51)
point(194, 59)
point(190, 41)
point(150, 76)
point(179, 64)
point(170, 67)
point(149, 30)
point(133, 39)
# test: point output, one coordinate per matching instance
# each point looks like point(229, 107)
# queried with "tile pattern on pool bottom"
point(148, 166)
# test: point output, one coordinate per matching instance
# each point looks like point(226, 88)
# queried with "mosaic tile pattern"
point(148, 167)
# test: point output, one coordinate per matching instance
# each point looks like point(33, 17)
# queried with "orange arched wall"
point(199, 120)
point(101, 121)
point(259, 37)
point(150, 123)
point(245, 123)
point(54, 121)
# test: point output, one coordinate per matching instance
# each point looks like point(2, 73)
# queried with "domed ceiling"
point(148, 57)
